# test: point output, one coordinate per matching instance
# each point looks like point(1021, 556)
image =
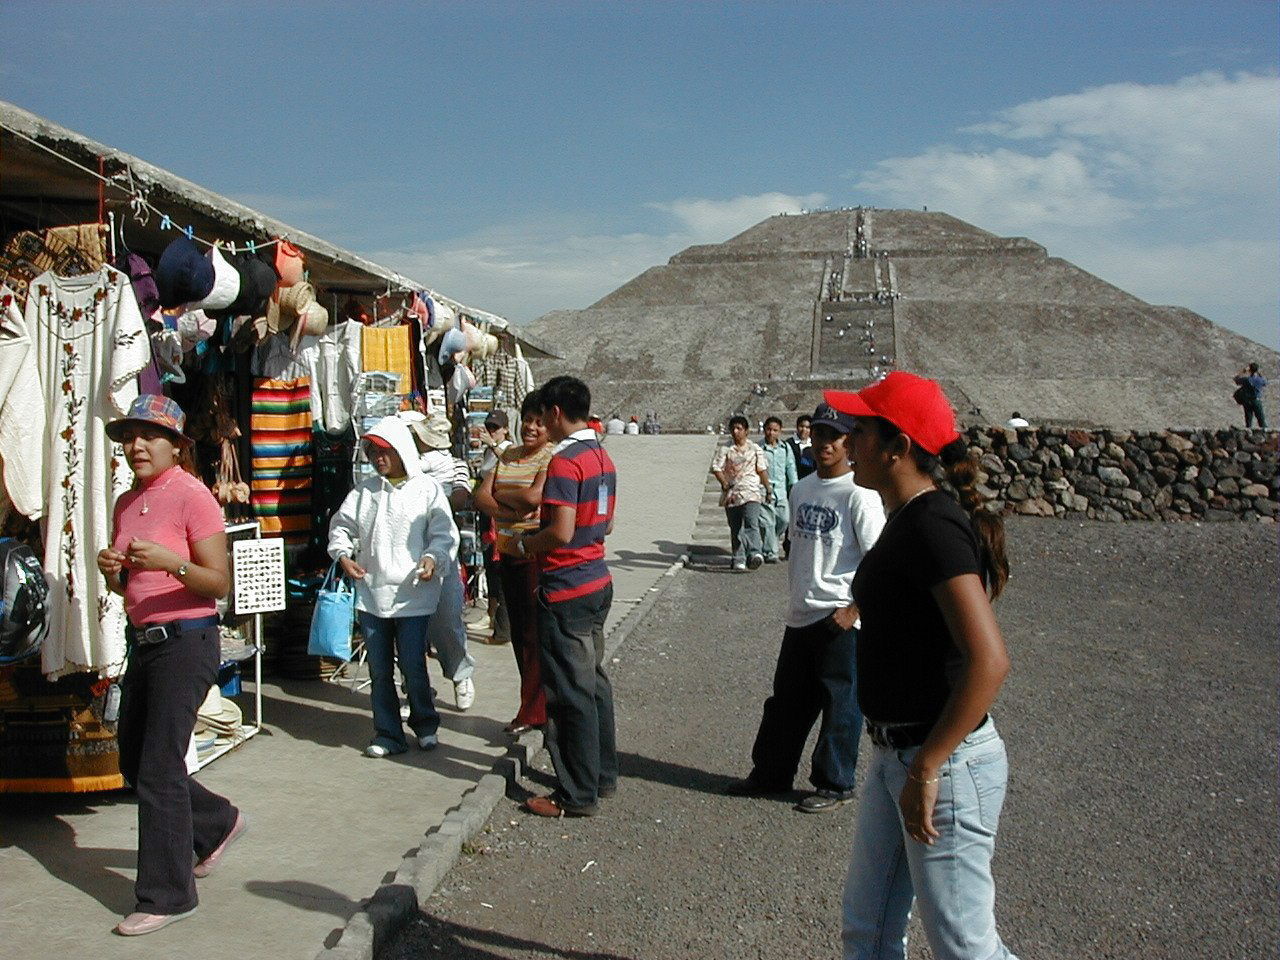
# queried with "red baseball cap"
point(915, 405)
point(374, 440)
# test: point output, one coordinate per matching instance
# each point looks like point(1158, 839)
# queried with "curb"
point(395, 903)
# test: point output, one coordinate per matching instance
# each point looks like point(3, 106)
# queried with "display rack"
point(257, 587)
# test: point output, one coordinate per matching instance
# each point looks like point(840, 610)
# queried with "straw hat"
point(488, 346)
point(287, 305)
point(313, 321)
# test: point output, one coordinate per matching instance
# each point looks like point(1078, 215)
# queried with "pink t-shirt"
point(180, 511)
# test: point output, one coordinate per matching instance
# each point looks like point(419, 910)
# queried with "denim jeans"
point(815, 675)
point(446, 632)
point(774, 518)
point(580, 733)
point(1252, 411)
point(388, 639)
point(744, 530)
point(163, 688)
point(951, 879)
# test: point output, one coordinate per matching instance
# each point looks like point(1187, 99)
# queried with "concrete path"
point(327, 825)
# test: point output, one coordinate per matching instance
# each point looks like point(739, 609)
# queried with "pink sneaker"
point(138, 924)
point(210, 863)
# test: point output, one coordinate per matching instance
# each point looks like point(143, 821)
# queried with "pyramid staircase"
point(709, 545)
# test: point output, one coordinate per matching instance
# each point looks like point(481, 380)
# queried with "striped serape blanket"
point(280, 427)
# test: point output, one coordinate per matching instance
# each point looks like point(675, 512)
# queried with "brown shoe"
point(553, 808)
point(209, 863)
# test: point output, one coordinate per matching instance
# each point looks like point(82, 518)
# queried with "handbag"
point(333, 617)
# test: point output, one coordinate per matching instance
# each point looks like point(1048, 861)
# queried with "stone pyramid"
point(763, 322)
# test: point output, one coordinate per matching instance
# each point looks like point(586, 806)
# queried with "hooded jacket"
point(388, 529)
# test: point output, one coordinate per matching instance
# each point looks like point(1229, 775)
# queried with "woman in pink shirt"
point(168, 557)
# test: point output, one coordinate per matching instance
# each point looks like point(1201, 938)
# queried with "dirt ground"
point(1141, 722)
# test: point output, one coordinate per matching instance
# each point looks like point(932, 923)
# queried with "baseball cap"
point(496, 418)
point(374, 440)
point(915, 405)
point(828, 416)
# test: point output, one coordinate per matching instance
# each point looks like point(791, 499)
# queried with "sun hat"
point(226, 284)
point(287, 305)
point(453, 342)
point(288, 263)
point(828, 416)
point(154, 409)
point(432, 432)
point(184, 274)
point(257, 284)
point(915, 405)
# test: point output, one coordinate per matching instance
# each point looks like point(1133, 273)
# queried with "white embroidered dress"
point(91, 344)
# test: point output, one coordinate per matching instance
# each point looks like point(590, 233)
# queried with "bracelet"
point(923, 781)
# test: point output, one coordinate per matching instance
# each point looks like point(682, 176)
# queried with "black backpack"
point(1244, 394)
point(24, 592)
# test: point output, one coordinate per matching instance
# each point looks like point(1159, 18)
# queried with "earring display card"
point(257, 575)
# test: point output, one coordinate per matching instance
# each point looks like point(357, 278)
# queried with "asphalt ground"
point(1141, 722)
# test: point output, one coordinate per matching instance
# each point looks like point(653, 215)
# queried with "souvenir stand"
point(272, 345)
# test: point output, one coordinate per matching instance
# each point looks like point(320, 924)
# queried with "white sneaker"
point(464, 692)
point(376, 750)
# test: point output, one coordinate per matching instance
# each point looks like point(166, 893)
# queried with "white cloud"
point(1168, 190)
point(713, 221)
point(521, 271)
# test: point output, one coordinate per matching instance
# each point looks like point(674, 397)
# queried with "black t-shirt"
point(907, 660)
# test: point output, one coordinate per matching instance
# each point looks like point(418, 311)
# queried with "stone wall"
point(1130, 475)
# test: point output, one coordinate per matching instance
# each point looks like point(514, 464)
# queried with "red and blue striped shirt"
point(583, 477)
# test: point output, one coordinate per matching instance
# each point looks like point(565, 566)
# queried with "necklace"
point(918, 493)
point(159, 486)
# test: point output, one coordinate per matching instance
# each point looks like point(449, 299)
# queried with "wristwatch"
point(180, 572)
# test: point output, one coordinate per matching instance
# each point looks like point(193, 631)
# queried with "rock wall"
point(1130, 475)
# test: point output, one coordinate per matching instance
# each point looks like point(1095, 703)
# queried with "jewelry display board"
point(257, 568)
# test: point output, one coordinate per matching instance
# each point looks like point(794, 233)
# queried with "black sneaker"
point(825, 800)
point(747, 787)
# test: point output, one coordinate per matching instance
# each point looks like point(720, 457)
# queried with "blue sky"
point(524, 157)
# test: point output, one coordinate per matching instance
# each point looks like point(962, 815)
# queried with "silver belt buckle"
point(155, 634)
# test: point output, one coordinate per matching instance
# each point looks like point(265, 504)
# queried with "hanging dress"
point(90, 345)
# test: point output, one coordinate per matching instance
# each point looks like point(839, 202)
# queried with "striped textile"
point(280, 433)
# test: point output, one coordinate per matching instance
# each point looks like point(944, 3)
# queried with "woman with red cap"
point(168, 557)
point(930, 661)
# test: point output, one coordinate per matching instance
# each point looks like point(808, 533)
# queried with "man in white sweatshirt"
point(833, 524)
point(394, 535)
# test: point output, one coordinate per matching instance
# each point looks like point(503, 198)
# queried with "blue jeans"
point(388, 639)
point(951, 879)
point(815, 676)
point(774, 518)
point(580, 732)
point(744, 530)
point(446, 632)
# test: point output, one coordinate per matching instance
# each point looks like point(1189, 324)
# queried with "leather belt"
point(898, 736)
point(160, 632)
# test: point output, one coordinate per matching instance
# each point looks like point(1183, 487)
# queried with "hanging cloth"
point(90, 345)
point(280, 433)
point(388, 350)
point(22, 414)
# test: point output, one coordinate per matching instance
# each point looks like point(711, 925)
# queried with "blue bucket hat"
point(184, 274)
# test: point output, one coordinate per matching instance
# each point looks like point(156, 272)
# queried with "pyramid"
point(798, 303)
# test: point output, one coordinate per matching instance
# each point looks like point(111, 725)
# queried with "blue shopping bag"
point(333, 617)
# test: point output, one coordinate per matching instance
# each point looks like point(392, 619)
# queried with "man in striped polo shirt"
point(574, 594)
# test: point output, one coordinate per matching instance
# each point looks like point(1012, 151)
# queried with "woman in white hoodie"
point(393, 535)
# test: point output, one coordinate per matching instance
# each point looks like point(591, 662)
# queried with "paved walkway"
point(327, 825)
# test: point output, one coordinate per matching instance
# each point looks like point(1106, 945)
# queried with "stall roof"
point(39, 188)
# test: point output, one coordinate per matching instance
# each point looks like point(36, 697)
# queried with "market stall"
point(120, 279)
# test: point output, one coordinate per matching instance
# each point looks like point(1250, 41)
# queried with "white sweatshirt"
point(389, 529)
point(833, 524)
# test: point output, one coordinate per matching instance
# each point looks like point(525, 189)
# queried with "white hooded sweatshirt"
point(389, 529)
